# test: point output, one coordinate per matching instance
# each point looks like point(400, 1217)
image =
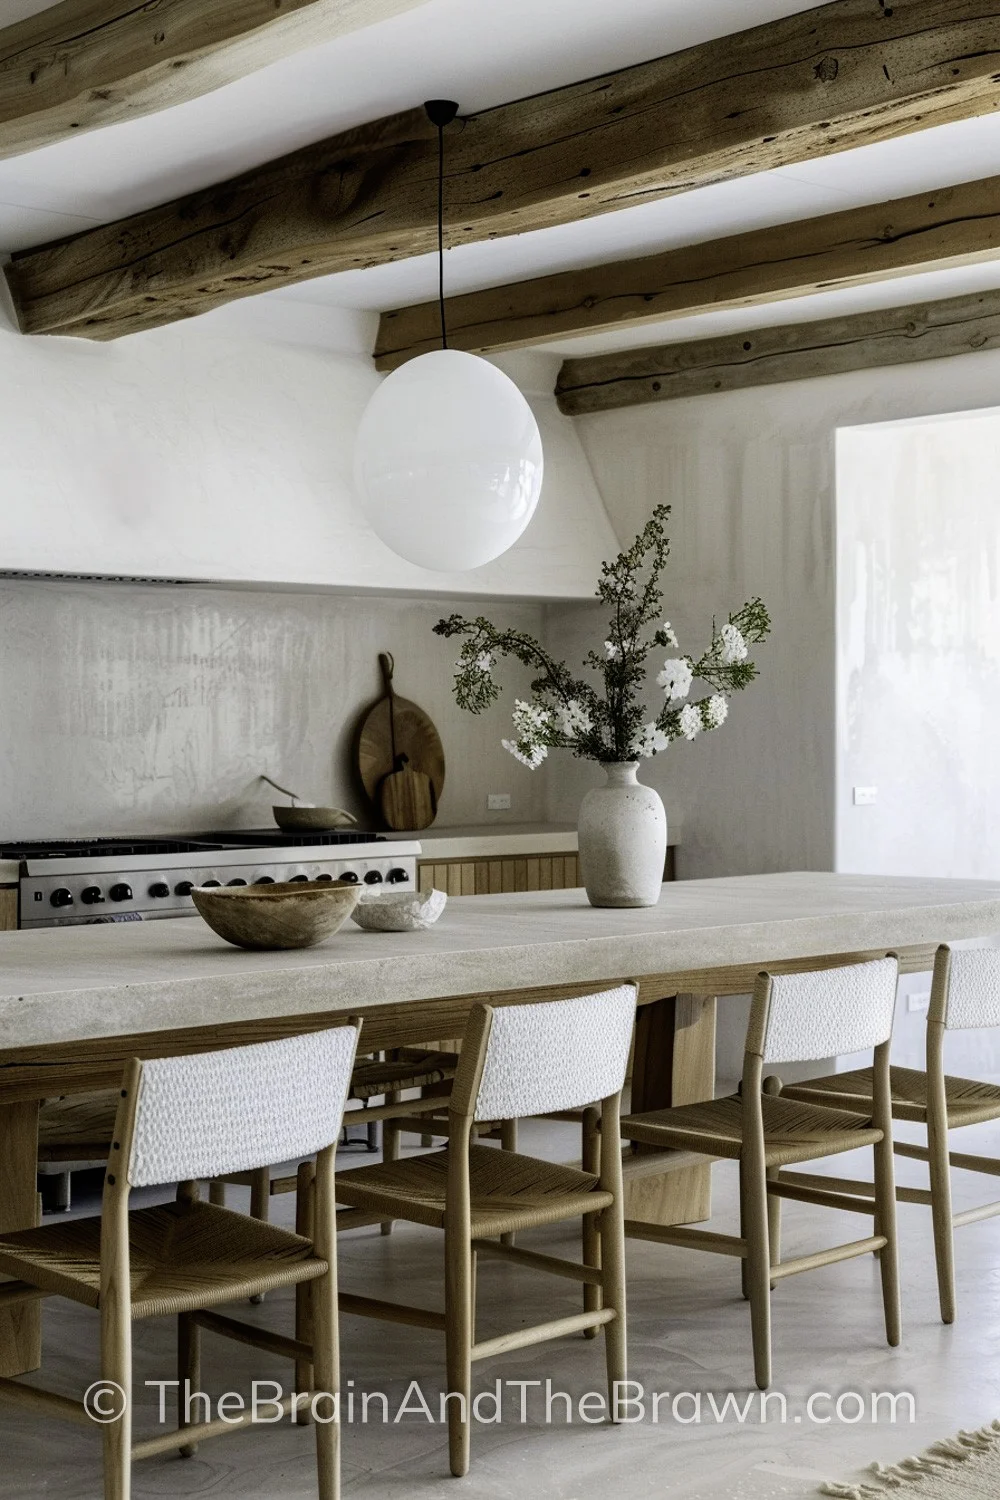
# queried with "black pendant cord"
point(444, 317)
point(441, 112)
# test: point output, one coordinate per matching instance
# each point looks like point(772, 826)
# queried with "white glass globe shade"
point(448, 465)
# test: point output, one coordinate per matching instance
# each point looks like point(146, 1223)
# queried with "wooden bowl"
point(311, 819)
point(294, 915)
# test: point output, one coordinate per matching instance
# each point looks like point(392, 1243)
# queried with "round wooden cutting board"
point(416, 739)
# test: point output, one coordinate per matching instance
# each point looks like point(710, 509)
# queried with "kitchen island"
point(76, 1002)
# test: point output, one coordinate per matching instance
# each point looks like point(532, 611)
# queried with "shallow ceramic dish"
point(294, 915)
point(301, 819)
point(403, 911)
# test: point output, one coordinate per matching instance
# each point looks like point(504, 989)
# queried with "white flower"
point(670, 633)
point(690, 721)
point(676, 678)
point(734, 647)
point(530, 756)
point(716, 710)
point(530, 720)
point(649, 741)
point(484, 662)
point(610, 650)
point(573, 719)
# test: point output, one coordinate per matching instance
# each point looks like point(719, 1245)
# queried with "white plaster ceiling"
point(483, 52)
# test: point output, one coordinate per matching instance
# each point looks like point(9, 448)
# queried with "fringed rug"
point(966, 1467)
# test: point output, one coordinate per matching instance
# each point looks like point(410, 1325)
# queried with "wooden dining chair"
point(793, 1018)
point(181, 1119)
point(516, 1061)
point(965, 995)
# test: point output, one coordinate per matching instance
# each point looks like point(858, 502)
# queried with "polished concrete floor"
point(688, 1332)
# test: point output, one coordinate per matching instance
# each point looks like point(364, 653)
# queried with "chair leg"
point(116, 1366)
point(508, 1142)
point(591, 1162)
point(613, 1291)
point(217, 1193)
point(941, 1215)
point(458, 1337)
point(744, 1263)
point(885, 1200)
point(473, 1295)
point(326, 1356)
point(758, 1266)
point(772, 1087)
point(390, 1146)
point(188, 1370)
point(260, 1205)
point(304, 1225)
point(260, 1194)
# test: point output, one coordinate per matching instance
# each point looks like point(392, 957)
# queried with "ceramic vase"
point(623, 840)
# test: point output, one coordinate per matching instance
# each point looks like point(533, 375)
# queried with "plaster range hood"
point(183, 458)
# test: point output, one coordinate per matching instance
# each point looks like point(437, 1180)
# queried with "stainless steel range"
point(73, 881)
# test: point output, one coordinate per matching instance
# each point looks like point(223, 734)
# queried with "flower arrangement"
point(609, 722)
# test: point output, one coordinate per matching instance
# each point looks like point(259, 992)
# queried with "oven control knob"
point(397, 876)
point(211, 882)
point(265, 880)
point(92, 895)
point(325, 876)
point(349, 877)
point(121, 892)
point(183, 887)
point(374, 877)
point(297, 879)
point(160, 889)
point(237, 881)
point(62, 897)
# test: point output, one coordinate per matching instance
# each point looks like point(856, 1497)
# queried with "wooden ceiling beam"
point(86, 63)
point(810, 84)
point(949, 227)
point(767, 356)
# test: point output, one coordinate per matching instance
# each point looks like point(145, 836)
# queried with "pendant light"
point(448, 463)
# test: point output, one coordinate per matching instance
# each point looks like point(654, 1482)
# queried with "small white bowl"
point(400, 911)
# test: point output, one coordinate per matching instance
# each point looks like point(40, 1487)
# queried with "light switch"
point(865, 796)
point(498, 801)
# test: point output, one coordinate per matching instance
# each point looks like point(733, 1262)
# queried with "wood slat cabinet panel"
point(8, 908)
point(490, 876)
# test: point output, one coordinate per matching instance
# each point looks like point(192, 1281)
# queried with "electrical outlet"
point(918, 1002)
point(865, 796)
point(498, 801)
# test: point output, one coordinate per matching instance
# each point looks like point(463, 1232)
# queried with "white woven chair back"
point(973, 994)
point(829, 1012)
point(558, 1054)
point(219, 1112)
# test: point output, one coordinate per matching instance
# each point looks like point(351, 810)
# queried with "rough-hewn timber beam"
point(841, 75)
point(85, 63)
point(952, 226)
point(796, 351)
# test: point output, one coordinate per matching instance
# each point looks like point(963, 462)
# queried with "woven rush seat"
point(508, 1192)
point(793, 1132)
point(969, 1102)
point(180, 1254)
point(412, 1068)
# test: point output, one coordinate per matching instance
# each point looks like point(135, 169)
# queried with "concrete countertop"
point(66, 984)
